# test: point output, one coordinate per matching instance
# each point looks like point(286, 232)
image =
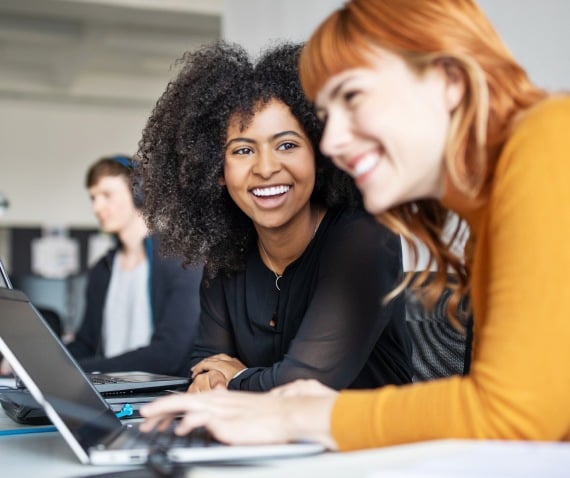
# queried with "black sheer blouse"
point(327, 322)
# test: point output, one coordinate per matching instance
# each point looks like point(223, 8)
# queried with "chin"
point(376, 206)
point(109, 229)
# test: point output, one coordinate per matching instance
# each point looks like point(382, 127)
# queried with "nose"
point(96, 205)
point(266, 163)
point(336, 135)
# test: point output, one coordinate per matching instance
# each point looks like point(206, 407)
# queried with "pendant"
point(277, 277)
point(273, 321)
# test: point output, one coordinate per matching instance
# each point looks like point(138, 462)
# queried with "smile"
point(270, 191)
point(364, 165)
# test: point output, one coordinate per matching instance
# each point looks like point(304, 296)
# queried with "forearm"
point(262, 379)
point(254, 379)
point(457, 407)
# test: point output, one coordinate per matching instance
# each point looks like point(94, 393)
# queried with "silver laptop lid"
point(52, 376)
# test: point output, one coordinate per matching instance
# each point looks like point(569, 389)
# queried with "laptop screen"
point(4, 279)
point(42, 359)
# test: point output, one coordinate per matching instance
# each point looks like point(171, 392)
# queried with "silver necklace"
point(277, 276)
point(273, 268)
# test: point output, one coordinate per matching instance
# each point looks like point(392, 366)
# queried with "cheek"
point(229, 175)
point(435, 117)
point(422, 131)
point(231, 180)
point(307, 170)
point(437, 129)
point(379, 123)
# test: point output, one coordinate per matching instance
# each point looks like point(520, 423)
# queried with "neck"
point(279, 247)
point(132, 242)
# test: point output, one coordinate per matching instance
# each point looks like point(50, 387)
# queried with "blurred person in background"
point(141, 309)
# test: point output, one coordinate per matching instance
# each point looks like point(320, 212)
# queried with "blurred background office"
point(78, 78)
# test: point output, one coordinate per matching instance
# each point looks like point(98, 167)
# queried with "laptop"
point(119, 383)
point(81, 414)
point(4, 279)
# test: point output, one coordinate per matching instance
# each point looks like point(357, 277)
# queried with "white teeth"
point(271, 191)
point(367, 163)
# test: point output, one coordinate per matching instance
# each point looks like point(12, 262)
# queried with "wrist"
point(238, 373)
point(309, 418)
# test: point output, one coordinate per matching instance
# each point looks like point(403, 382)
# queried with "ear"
point(222, 180)
point(455, 85)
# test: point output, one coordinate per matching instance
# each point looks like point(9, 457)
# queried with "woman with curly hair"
point(428, 111)
point(294, 267)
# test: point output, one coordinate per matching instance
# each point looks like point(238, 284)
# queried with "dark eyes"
point(350, 95)
point(281, 147)
point(242, 151)
point(286, 146)
point(347, 97)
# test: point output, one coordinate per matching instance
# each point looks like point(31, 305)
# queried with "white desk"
point(47, 455)
point(40, 454)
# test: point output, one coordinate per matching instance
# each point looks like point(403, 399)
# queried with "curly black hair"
point(181, 153)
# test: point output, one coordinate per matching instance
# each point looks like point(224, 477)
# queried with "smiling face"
point(269, 167)
point(387, 127)
point(112, 203)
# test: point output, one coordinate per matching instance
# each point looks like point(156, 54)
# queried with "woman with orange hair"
point(427, 110)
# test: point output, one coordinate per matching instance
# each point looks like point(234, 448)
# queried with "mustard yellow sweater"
point(519, 384)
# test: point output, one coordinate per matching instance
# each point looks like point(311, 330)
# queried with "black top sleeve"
point(331, 324)
point(215, 332)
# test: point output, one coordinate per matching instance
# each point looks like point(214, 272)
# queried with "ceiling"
point(101, 51)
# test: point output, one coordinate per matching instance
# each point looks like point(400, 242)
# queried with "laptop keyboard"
point(102, 380)
point(133, 438)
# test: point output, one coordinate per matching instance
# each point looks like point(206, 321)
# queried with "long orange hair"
point(497, 90)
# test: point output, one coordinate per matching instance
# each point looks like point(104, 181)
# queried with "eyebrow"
point(271, 138)
point(338, 87)
point(334, 93)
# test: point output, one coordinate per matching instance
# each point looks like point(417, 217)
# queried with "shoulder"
point(356, 233)
point(104, 264)
point(355, 222)
point(217, 285)
point(154, 253)
point(531, 177)
point(547, 120)
point(539, 142)
point(551, 110)
point(99, 274)
point(168, 266)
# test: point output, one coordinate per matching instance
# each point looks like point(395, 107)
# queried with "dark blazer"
point(175, 307)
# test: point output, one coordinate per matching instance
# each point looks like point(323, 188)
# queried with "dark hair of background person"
point(182, 150)
point(107, 166)
point(117, 165)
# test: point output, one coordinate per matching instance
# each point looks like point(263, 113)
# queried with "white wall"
point(46, 148)
point(537, 34)
point(253, 22)
point(536, 30)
